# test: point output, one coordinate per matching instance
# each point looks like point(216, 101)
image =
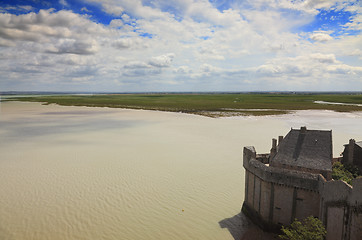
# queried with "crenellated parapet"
point(341, 191)
point(280, 176)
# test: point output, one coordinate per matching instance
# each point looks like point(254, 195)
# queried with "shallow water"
point(100, 173)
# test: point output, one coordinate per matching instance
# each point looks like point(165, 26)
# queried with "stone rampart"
point(276, 196)
point(281, 176)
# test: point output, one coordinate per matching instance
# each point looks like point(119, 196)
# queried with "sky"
point(180, 45)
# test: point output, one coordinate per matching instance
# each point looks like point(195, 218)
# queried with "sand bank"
point(100, 173)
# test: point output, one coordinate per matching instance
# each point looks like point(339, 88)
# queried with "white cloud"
point(20, 8)
point(134, 7)
point(344, 69)
point(6, 43)
point(113, 9)
point(162, 61)
point(64, 3)
point(132, 43)
point(53, 32)
point(136, 64)
point(185, 43)
point(321, 37)
point(154, 66)
point(304, 6)
point(183, 70)
point(70, 59)
point(123, 43)
point(38, 27)
point(324, 58)
point(207, 68)
point(84, 9)
point(25, 8)
point(356, 21)
point(141, 72)
point(317, 66)
point(116, 23)
point(269, 69)
point(81, 47)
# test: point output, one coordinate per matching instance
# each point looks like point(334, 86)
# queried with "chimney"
point(280, 139)
point(273, 150)
point(303, 129)
point(351, 150)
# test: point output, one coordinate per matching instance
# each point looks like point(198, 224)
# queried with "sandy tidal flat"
point(100, 173)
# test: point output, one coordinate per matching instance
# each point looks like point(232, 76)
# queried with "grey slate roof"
point(311, 149)
point(359, 144)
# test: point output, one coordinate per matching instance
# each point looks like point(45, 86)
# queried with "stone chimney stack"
point(280, 139)
point(273, 150)
point(351, 144)
point(303, 129)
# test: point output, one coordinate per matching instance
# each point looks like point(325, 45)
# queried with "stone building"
point(352, 153)
point(294, 181)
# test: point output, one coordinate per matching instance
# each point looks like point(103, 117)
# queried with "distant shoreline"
point(206, 104)
point(179, 93)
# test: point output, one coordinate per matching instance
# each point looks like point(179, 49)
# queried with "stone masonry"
point(279, 190)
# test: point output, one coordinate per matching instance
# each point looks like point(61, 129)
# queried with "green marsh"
point(212, 105)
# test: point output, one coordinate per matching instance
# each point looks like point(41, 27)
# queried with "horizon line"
point(171, 92)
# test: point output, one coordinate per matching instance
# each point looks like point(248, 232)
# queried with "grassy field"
point(213, 105)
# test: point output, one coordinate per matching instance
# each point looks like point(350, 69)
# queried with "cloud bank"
point(182, 45)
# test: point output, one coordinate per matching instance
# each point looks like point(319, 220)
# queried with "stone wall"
point(278, 196)
point(275, 197)
point(342, 209)
point(326, 174)
point(278, 203)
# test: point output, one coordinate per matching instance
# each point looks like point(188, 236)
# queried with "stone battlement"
point(340, 191)
point(280, 176)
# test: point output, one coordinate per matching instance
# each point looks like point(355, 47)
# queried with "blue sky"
point(181, 45)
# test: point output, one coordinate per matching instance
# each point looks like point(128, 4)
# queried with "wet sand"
point(100, 173)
